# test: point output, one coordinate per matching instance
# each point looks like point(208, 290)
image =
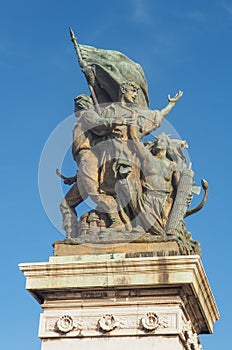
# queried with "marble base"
point(111, 301)
point(105, 343)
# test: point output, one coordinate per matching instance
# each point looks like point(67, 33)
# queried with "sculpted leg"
point(67, 208)
point(87, 179)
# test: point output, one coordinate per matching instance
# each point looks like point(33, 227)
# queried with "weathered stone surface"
point(136, 297)
point(66, 248)
point(106, 343)
point(137, 186)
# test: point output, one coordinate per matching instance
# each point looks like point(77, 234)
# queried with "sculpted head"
point(161, 142)
point(129, 91)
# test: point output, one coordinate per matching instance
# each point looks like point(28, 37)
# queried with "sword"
point(67, 180)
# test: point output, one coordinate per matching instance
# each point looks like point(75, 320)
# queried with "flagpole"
point(82, 64)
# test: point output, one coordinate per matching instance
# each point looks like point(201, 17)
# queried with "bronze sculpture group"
point(141, 190)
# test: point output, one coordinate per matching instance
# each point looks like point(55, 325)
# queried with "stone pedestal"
point(120, 300)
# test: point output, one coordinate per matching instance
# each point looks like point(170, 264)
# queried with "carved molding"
point(192, 341)
point(121, 324)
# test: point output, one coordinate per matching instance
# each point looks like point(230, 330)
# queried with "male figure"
point(85, 183)
point(74, 196)
point(160, 177)
point(112, 128)
point(117, 154)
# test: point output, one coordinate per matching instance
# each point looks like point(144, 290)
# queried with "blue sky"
point(181, 45)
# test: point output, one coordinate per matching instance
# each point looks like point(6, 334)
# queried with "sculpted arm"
point(142, 152)
point(172, 101)
point(176, 177)
point(99, 125)
point(153, 119)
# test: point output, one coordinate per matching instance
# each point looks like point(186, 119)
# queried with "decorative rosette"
point(150, 321)
point(64, 324)
point(107, 323)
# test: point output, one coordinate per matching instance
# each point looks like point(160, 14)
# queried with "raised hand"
point(176, 97)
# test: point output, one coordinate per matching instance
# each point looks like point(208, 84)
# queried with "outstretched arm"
point(172, 101)
point(99, 125)
point(153, 119)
